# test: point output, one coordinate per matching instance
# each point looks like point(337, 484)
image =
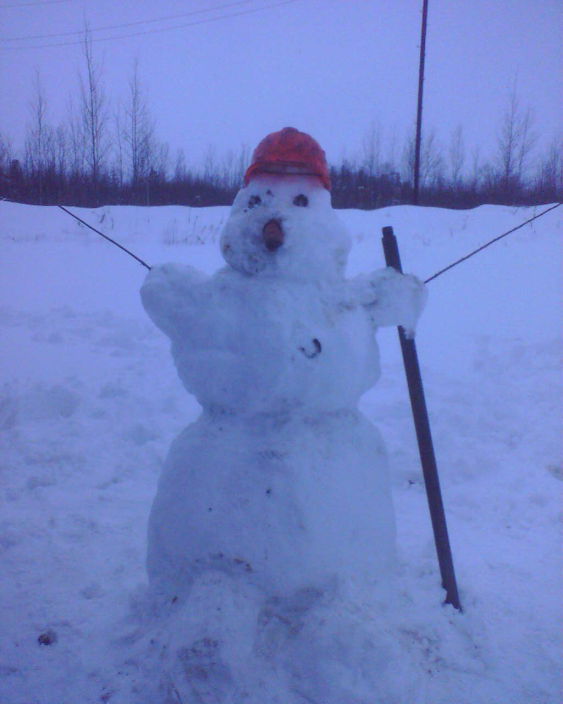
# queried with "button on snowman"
point(281, 482)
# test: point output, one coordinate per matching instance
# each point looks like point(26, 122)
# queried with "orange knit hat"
point(289, 152)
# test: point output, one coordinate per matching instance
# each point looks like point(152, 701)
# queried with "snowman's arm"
point(391, 298)
point(172, 294)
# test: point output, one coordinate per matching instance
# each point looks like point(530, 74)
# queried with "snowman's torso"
point(272, 346)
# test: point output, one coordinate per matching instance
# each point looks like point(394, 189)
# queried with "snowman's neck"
point(278, 416)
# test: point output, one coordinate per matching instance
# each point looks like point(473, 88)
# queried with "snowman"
point(281, 484)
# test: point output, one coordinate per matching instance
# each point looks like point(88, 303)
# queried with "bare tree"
point(431, 160)
point(6, 158)
point(139, 131)
point(39, 142)
point(233, 166)
point(119, 148)
point(390, 160)
point(372, 146)
point(180, 168)
point(210, 169)
point(456, 154)
point(94, 115)
point(159, 161)
point(5, 153)
point(475, 171)
point(515, 142)
point(244, 160)
point(549, 179)
point(76, 145)
point(61, 150)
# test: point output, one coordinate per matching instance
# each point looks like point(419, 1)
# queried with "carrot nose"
point(273, 235)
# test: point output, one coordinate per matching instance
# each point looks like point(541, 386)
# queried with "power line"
point(154, 31)
point(126, 24)
point(490, 242)
point(28, 4)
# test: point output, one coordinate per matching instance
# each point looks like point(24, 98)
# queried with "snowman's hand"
point(171, 293)
point(390, 297)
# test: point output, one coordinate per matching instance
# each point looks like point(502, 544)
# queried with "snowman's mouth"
point(273, 235)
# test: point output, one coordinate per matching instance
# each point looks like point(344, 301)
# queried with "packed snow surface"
point(91, 401)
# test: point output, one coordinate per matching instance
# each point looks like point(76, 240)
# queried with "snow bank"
point(89, 403)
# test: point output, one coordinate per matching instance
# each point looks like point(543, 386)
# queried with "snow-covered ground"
point(90, 402)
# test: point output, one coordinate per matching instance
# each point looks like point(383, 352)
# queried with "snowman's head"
point(282, 222)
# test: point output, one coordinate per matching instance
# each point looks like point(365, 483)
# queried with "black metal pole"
point(418, 140)
point(424, 438)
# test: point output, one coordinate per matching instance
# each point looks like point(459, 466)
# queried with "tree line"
point(98, 157)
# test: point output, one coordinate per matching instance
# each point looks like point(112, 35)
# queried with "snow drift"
point(90, 402)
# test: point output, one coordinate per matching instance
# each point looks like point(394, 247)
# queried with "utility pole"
point(419, 107)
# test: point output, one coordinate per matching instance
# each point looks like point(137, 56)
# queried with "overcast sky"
point(228, 76)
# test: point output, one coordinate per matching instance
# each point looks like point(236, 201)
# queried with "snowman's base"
point(227, 645)
point(283, 502)
point(271, 555)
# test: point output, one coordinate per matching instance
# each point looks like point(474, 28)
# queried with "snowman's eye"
point(301, 200)
point(253, 201)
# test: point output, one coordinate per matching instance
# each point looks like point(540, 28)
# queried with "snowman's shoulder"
point(172, 291)
point(174, 275)
point(367, 288)
point(390, 297)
